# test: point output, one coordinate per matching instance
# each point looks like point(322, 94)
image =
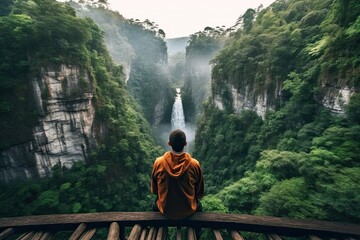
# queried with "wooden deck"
point(152, 225)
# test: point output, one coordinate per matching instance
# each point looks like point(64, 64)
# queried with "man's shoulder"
point(195, 162)
point(160, 159)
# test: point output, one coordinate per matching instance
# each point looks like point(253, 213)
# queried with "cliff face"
point(245, 98)
point(336, 99)
point(335, 92)
point(311, 53)
point(64, 133)
point(141, 52)
point(333, 98)
point(201, 49)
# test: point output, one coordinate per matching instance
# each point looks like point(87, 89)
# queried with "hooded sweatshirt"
point(178, 182)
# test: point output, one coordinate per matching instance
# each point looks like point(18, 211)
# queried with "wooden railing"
point(152, 225)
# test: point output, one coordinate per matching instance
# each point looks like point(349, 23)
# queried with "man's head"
point(177, 140)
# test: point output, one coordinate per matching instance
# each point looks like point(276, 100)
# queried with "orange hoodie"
point(178, 182)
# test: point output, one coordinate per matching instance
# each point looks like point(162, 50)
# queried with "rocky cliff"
point(245, 99)
point(139, 48)
point(64, 133)
point(335, 95)
point(333, 98)
point(284, 54)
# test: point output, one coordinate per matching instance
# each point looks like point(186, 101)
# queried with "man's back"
point(178, 183)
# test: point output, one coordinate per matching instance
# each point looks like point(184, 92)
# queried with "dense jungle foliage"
point(202, 47)
point(140, 47)
point(43, 33)
point(300, 160)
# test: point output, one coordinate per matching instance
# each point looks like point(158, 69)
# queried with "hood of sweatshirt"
point(176, 164)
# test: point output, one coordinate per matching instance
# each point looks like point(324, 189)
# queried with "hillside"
point(64, 103)
point(275, 100)
point(142, 51)
point(280, 132)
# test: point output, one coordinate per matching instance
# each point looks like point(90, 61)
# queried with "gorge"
point(275, 101)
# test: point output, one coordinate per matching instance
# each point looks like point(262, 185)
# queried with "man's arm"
point(153, 187)
point(199, 189)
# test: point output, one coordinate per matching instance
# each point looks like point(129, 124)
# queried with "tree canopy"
point(293, 161)
point(45, 33)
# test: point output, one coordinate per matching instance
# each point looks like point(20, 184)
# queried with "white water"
point(177, 115)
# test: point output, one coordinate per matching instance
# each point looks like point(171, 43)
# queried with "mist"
point(190, 70)
point(162, 132)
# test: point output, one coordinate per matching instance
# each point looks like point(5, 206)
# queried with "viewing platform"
point(153, 226)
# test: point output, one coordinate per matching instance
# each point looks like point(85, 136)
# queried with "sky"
point(183, 18)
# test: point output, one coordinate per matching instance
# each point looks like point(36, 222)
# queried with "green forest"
point(299, 160)
point(117, 178)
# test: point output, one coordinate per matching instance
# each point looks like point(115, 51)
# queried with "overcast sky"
point(183, 18)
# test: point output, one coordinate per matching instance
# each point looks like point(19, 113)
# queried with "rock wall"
point(159, 111)
point(246, 99)
point(333, 98)
point(64, 133)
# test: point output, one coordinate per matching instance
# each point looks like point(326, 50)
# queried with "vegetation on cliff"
point(202, 47)
point(300, 160)
point(140, 47)
point(29, 40)
point(43, 33)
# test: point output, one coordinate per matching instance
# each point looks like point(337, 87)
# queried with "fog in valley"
point(270, 105)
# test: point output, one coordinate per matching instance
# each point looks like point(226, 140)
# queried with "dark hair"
point(177, 139)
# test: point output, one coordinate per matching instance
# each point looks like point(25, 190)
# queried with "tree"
point(5, 7)
point(353, 108)
point(246, 20)
point(290, 198)
point(162, 33)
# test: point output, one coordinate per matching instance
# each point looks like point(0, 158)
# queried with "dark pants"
point(198, 230)
point(156, 209)
point(199, 208)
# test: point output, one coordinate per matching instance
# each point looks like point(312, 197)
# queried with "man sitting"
point(177, 180)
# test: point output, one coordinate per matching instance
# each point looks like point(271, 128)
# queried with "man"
point(177, 180)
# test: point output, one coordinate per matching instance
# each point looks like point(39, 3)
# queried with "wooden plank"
point(178, 233)
point(78, 232)
point(217, 234)
point(160, 234)
point(239, 222)
point(88, 234)
point(46, 236)
point(6, 233)
point(191, 234)
point(143, 234)
point(21, 236)
point(135, 232)
point(236, 236)
point(114, 231)
point(26, 236)
point(37, 236)
point(274, 224)
point(155, 234)
point(273, 236)
point(150, 234)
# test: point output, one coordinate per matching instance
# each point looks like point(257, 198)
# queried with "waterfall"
point(177, 115)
